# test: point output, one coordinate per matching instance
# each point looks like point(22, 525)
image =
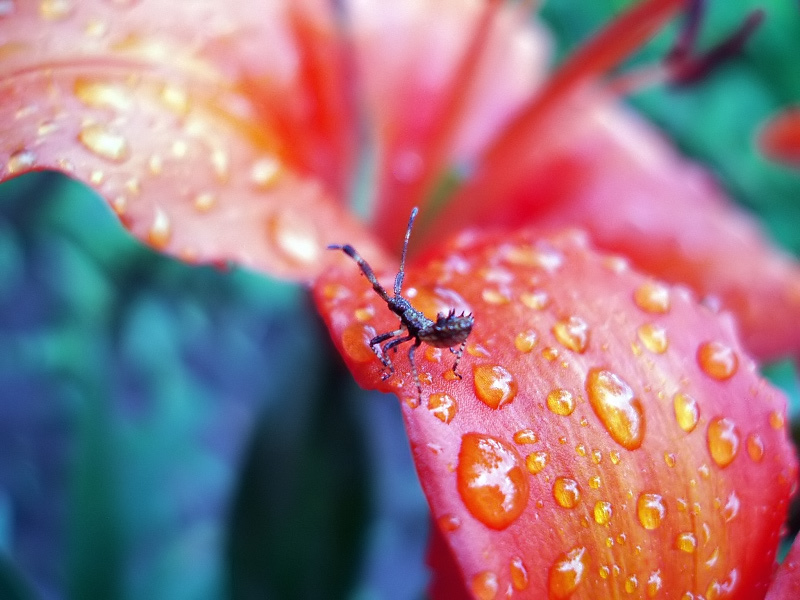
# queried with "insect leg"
point(398, 280)
point(375, 343)
point(389, 346)
point(458, 354)
point(365, 268)
point(414, 367)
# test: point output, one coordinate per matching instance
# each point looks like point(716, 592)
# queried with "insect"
point(447, 331)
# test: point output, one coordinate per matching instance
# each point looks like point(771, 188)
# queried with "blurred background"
point(179, 432)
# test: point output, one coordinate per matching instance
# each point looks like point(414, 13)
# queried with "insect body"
point(447, 331)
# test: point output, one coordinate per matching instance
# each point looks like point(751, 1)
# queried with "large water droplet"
point(652, 297)
point(654, 337)
point(525, 436)
point(519, 574)
point(651, 510)
point(631, 583)
point(717, 360)
point(686, 542)
point(687, 412)
point(723, 440)
point(484, 585)
point(654, 584)
point(443, 406)
point(355, 342)
point(494, 385)
point(536, 461)
point(602, 512)
point(561, 402)
point(105, 143)
point(567, 573)
point(491, 480)
point(566, 492)
point(614, 403)
point(572, 333)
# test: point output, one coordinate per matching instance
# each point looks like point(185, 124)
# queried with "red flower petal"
point(786, 584)
point(609, 433)
point(144, 102)
point(780, 138)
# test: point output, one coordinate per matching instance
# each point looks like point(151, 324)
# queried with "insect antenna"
point(365, 268)
point(398, 281)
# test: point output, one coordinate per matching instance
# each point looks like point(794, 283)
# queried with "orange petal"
point(780, 138)
point(142, 102)
point(609, 436)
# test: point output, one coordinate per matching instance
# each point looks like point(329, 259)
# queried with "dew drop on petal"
point(723, 440)
point(205, 201)
point(519, 574)
point(686, 542)
point(484, 585)
point(525, 340)
point(566, 492)
point(160, 232)
point(491, 480)
point(294, 237)
point(537, 300)
point(526, 436)
point(494, 385)
point(355, 342)
point(654, 337)
point(536, 461)
point(652, 297)
point(602, 512)
point(755, 447)
point(104, 143)
point(572, 333)
point(631, 583)
point(717, 360)
point(651, 510)
point(443, 406)
point(614, 403)
point(265, 172)
point(561, 402)
point(449, 522)
point(19, 161)
point(102, 94)
point(687, 412)
point(732, 507)
point(654, 584)
point(56, 10)
point(567, 573)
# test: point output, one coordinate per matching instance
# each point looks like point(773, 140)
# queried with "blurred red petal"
point(143, 102)
point(599, 167)
point(609, 433)
point(780, 138)
point(786, 584)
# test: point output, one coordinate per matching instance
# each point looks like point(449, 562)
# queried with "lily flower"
point(608, 432)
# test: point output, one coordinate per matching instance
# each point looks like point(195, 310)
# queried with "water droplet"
point(155, 164)
point(494, 296)
point(265, 172)
point(550, 353)
point(104, 143)
point(572, 333)
point(537, 300)
point(614, 455)
point(776, 420)
point(755, 447)
point(449, 523)
point(526, 340)
point(542, 257)
point(651, 510)
point(687, 412)
point(56, 10)
point(652, 297)
point(686, 541)
point(160, 232)
point(175, 98)
point(525, 436)
point(717, 360)
point(365, 313)
point(580, 450)
point(614, 403)
point(566, 492)
point(631, 584)
point(355, 342)
point(731, 508)
point(294, 236)
point(567, 573)
point(484, 585)
point(670, 459)
point(723, 440)
point(220, 162)
point(519, 574)
point(21, 160)
point(654, 584)
point(594, 482)
point(602, 512)
point(491, 482)
point(443, 407)
point(102, 94)
point(204, 202)
point(561, 402)
point(654, 337)
point(704, 471)
point(536, 462)
point(494, 385)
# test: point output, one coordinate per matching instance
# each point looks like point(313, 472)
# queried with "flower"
point(610, 430)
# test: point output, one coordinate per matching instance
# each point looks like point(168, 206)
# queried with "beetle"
point(447, 331)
